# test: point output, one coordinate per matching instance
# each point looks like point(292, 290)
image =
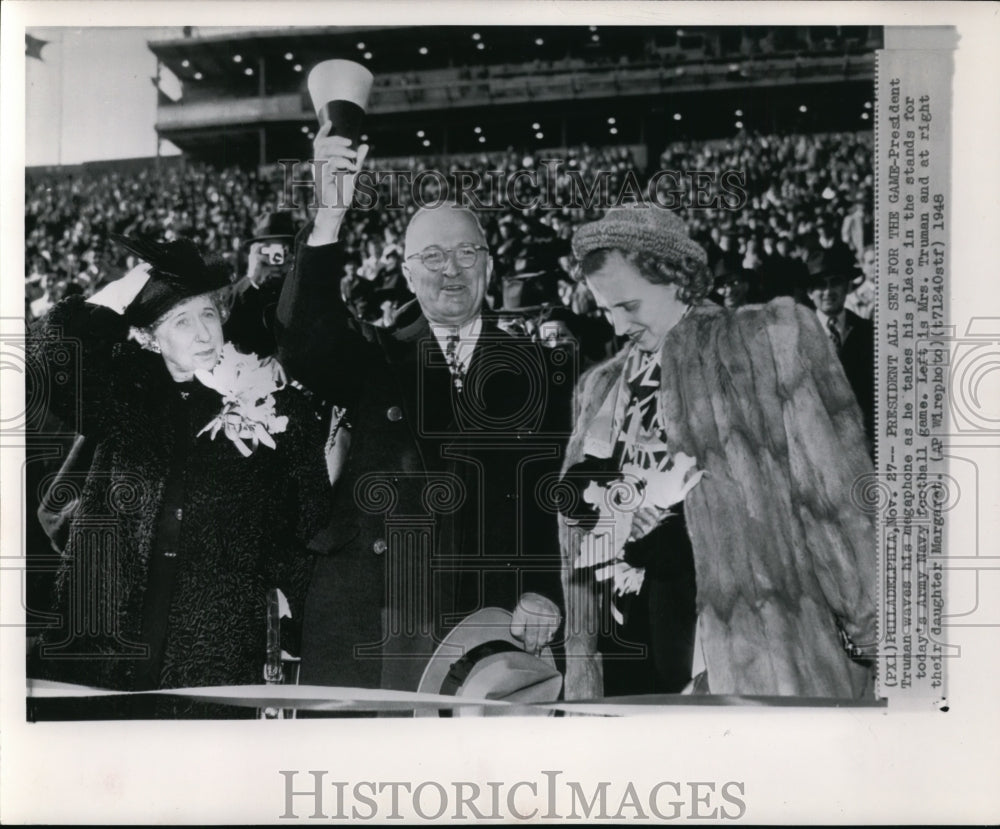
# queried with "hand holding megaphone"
point(339, 90)
point(337, 166)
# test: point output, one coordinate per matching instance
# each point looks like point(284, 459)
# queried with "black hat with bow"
point(177, 272)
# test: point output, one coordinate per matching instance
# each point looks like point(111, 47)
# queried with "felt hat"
point(177, 271)
point(480, 659)
point(833, 262)
point(275, 225)
point(529, 291)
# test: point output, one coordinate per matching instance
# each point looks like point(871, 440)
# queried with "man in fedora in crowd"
point(255, 296)
point(438, 511)
point(833, 273)
point(732, 282)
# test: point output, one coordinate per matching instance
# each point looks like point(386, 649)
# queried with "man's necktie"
point(831, 327)
point(451, 357)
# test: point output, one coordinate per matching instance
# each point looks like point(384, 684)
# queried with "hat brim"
point(853, 277)
point(283, 236)
point(515, 677)
point(487, 625)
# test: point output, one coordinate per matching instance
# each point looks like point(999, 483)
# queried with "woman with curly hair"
point(714, 535)
point(207, 482)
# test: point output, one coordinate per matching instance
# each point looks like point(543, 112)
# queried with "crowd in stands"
point(803, 192)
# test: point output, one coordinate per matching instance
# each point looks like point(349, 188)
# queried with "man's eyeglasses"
point(434, 258)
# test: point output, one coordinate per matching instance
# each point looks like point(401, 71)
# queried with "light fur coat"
point(785, 555)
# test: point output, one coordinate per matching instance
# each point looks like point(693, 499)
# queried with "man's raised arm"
point(317, 336)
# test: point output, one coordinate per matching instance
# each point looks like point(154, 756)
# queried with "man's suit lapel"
point(487, 339)
point(853, 325)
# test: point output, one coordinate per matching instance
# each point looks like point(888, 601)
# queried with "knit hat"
point(177, 272)
point(647, 229)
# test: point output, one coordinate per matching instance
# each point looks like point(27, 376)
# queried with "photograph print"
point(448, 370)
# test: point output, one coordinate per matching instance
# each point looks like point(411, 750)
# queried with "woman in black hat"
point(207, 481)
point(717, 453)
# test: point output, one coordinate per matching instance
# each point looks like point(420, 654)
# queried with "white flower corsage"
point(247, 385)
point(603, 547)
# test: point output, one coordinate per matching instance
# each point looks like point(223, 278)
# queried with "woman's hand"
point(337, 165)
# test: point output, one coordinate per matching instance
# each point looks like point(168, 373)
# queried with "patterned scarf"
point(641, 440)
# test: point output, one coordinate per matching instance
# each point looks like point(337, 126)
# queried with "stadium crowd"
point(803, 193)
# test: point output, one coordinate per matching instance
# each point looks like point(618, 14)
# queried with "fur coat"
point(785, 557)
point(242, 524)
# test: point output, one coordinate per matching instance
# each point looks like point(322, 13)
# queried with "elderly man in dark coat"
point(455, 427)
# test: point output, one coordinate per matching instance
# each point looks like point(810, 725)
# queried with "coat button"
point(394, 414)
point(379, 547)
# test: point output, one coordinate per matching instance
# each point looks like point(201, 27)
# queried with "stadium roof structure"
point(463, 88)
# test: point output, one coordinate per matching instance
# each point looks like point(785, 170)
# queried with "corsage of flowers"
point(247, 385)
point(614, 498)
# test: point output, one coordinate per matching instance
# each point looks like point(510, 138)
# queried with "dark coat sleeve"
point(70, 354)
point(319, 343)
point(858, 359)
point(306, 493)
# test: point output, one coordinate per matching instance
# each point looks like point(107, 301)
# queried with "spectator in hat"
point(185, 520)
point(833, 273)
point(250, 326)
point(718, 452)
point(530, 287)
point(455, 418)
point(732, 282)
